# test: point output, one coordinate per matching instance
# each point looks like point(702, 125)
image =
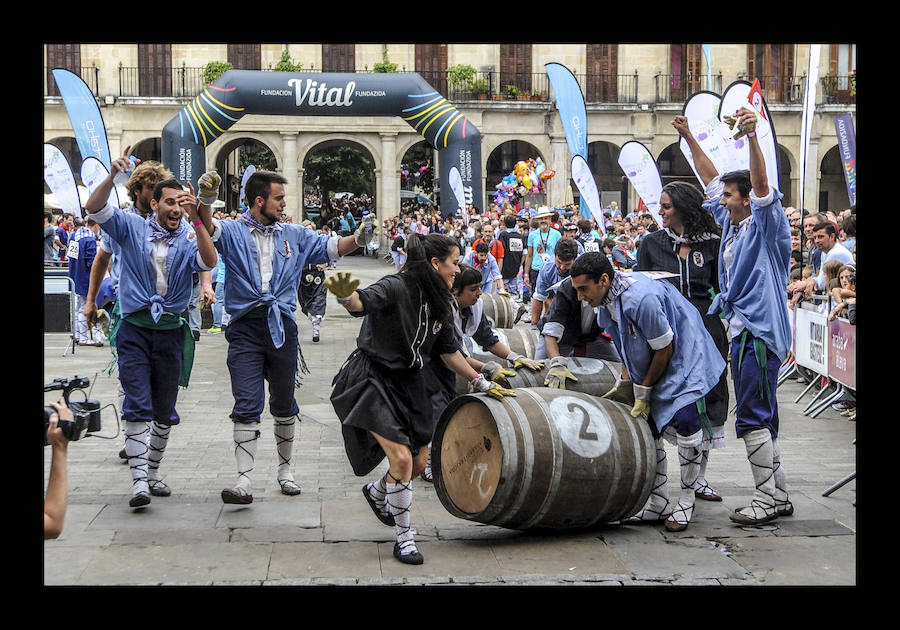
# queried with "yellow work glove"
point(621, 392)
point(208, 187)
point(641, 401)
point(504, 293)
point(342, 286)
point(483, 386)
point(520, 361)
point(558, 373)
point(735, 126)
point(495, 372)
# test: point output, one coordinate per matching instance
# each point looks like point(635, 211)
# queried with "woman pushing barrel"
point(378, 392)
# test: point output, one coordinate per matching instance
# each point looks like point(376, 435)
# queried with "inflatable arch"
point(407, 95)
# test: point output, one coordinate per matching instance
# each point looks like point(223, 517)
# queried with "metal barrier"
point(58, 282)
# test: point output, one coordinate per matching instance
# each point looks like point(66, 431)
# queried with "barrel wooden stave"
point(499, 309)
point(566, 460)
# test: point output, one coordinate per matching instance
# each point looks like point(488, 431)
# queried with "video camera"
point(86, 413)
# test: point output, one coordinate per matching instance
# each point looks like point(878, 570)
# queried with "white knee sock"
point(378, 490)
point(689, 457)
point(781, 494)
point(760, 453)
point(136, 440)
point(159, 438)
point(285, 428)
point(658, 506)
point(245, 439)
point(399, 501)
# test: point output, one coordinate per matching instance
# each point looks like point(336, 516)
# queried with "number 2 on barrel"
point(584, 434)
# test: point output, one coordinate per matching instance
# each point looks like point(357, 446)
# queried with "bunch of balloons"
point(406, 175)
point(527, 178)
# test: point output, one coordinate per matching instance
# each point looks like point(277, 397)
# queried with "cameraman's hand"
point(54, 433)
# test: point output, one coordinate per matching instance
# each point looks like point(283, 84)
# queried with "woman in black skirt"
point(380, 392)
point(688, 246)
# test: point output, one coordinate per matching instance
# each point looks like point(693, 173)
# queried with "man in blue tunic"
point(669, 363)
point(159, 255)
point(264, 259)
point(755, 255)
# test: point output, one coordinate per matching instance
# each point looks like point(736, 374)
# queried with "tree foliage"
point(340, 169)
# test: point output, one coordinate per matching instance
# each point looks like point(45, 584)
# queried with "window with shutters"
point(155, 69)
point(245, 56)
point(601, 84)
point(515, 66)
point(839, 85)
point(66, 56)
point(685, 71)
point(338, 58)
point(431, 64)
point(773, 65)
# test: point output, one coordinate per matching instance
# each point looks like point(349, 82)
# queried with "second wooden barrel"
point(499, 309)
point(521, 340)
point(545, 459)
point(595, 376)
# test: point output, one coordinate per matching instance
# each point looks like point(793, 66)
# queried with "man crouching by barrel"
point(669, 363)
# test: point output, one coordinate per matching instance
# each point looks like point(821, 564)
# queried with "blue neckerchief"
point(157, 231)
point(248, 218)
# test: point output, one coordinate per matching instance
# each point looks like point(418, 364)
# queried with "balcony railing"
point(167, 82)
point(90, 75)
point(187, 82)
point(678, 88)
point(838, 89)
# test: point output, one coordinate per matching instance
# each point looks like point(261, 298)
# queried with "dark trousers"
point(252, 360)
point(149, 371)
point(757, 405)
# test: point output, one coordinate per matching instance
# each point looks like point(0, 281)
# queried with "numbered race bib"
point(72, 249)
point(591, 247)
point(515, 245)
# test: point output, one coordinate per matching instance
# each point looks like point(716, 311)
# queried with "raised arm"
point(705, 167)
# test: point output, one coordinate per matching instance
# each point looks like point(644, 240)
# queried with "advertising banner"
point(59, 177)
point(846, 135)
point(641, 170)
point(739, 94)
point(811, 340)
point(84, 115)
point(92, 173)
point(842, 352)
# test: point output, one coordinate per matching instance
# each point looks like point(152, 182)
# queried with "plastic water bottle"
point(121, 179)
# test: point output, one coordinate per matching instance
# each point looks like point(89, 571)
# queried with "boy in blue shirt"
point(669, 364)
point(159, 255)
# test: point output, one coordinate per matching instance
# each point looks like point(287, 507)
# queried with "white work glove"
point(208, 187)
point(367, 231)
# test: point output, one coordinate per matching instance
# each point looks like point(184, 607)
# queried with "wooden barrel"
point(595, 376)
point(545, 459)
point(499, 309)
point(520, 339)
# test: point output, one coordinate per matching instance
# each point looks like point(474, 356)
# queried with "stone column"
point(388, 187)
point(293, 194)
point(562, 164)
point(301, 212)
